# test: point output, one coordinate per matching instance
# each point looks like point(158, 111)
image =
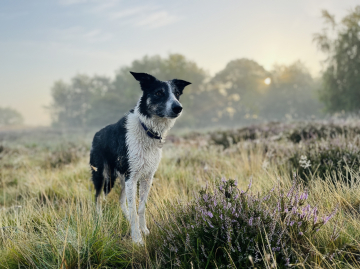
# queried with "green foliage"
point(334, 159)
point(234, 91)
point(294, 132)
point(341, 79)
point(97, 101)
point(9, 116)
point(235, 95)
point(312, 149)
point(72, 103)
point(291, 95)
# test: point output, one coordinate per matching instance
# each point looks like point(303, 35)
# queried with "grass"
point(48, 217)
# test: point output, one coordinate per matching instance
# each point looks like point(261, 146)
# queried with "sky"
point(42, 41)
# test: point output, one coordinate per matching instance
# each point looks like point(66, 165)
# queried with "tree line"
point(243, 92)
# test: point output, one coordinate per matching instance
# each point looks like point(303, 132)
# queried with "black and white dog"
point(131, 148)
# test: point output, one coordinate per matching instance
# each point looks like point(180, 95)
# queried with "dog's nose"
point(176, 108)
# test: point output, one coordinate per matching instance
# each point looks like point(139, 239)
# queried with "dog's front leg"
point(130, 189)
point(145, 185)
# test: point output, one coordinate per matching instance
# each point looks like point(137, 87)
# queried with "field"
point(269, 196)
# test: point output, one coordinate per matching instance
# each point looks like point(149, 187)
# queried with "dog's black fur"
point(109, 147)
point(109, 144)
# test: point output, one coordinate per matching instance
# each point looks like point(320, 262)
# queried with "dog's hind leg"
point(145, 185)
point(123, 197)
point(98, 180)
point(130, 189)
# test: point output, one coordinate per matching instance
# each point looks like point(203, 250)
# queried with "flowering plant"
point(226, 226)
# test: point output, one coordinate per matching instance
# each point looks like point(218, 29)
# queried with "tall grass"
point(48, 218)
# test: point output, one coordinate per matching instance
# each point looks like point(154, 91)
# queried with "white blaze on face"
point(150, 106)
point(171, 100)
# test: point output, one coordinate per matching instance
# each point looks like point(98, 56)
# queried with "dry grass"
point(48, 218)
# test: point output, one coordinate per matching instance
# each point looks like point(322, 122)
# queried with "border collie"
point(131, 148)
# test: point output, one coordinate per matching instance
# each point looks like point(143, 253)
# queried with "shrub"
point(332, 158)
point(64, 154)
point(294, 132)
point(308, 131)
point(228, 137)
point(225, 227)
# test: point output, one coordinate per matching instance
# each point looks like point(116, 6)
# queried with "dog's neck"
point(157, 124)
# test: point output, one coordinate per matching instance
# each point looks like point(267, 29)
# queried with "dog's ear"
point(144, 79)
point(180, 84)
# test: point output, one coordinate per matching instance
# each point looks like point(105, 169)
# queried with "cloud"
point(157, 19)
point(147, 16)
point(129, 12)
point(103, 7)
point(72, 2)
point(79, 33)
point(144, 16)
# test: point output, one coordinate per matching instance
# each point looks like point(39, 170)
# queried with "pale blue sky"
point(45, 40)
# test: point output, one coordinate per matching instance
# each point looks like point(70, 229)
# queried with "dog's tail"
point(102, 176)
point(109, 177)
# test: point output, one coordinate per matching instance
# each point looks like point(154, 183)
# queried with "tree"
point(98, 101)
point(291, 94)
point(72, 103)
point(341, 80)
point(235, 91)
point(9, 116)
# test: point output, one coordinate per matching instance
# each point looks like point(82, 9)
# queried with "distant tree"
point(291, 95)
point(98, 101)
point(72, 103)
point(341, 79)
point(9, 116)
point(234, 92)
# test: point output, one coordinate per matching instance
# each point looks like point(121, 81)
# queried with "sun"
point(267, 81)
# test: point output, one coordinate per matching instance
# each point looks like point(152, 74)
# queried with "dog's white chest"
point(144, 160)
point(144, 153)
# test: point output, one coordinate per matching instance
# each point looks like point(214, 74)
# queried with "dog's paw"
point(138, 241)
point(136, 237)
point(145, 231)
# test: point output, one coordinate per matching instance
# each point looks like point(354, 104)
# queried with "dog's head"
point(160, 98)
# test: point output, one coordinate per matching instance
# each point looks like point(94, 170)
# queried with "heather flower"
point(239, 223)
point(250, 183)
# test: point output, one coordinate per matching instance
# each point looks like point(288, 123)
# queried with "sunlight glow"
point(267, 81)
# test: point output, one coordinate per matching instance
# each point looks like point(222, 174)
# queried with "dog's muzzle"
point(176, 109)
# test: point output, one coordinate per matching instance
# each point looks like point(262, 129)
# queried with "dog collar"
point(151, 133)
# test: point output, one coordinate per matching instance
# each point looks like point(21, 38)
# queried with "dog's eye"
point(177, 95)
point(159, 93)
